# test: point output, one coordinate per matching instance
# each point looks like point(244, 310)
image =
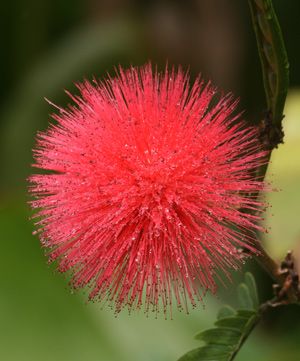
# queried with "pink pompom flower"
point(151, 191)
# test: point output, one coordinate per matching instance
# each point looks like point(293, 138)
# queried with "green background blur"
point(48, 45)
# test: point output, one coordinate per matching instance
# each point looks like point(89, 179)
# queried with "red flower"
point(147, 185)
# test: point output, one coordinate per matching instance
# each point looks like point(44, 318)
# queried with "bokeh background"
point(48, 45)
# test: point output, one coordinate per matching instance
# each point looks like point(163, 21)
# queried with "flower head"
point(151, 189)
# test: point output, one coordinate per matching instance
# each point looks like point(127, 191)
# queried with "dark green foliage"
point(231, 328)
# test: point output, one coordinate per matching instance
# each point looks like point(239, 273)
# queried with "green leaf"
point(245, 300)
point(246, 313)
point(219, 336)
point(232, 327)
point(225, 311)
point(208, 353)
point(235, 322)
point(251, 284)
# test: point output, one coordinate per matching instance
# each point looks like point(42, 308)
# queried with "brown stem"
point(285, 277)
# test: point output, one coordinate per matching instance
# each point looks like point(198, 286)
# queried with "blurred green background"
point(47, 46)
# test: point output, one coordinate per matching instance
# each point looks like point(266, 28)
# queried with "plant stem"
point(275, 71)
point(273, 57)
